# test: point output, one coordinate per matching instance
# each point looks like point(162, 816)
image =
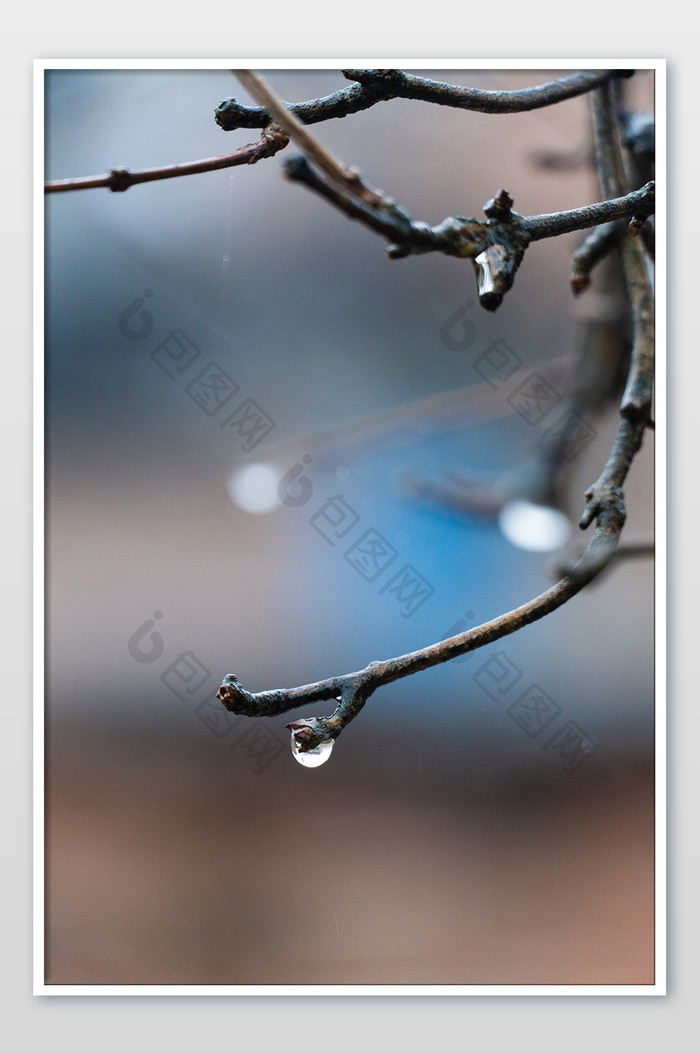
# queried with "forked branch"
point(496, 245)
point(353, 689)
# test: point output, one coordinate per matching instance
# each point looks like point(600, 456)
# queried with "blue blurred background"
point(186, 846)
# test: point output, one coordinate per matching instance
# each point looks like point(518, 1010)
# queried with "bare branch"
point(389, 220)
point(353, 689)
point(496, 246)
point(634, 548)
point(605, 499)
point(596, 247)
point(373, 86)
point(637, 398)
point(334, 169)
point(639, 202)
point(471, 494)
point(117, 180)
point(406, 86)
point(449, 411)
point(605, 502)
point(605, 505)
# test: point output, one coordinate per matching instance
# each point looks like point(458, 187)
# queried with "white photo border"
point(658, 988)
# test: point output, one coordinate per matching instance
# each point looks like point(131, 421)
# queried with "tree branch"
point(272, 140)
point(335, 170)
point(637, 398)
point(353, 689)
point(636, 548)
point(373, 86)
point(637, 203)
point(496, 246)
point(605, 501)
point(597, 245)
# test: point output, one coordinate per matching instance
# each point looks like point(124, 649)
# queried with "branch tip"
point(579, 283)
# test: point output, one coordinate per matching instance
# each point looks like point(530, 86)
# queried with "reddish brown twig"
point(272, 140)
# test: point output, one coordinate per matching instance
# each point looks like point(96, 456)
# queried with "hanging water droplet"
point(312, 758)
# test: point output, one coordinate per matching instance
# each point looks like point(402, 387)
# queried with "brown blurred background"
point(441, 843)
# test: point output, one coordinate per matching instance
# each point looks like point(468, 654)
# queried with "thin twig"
point(604, 498)
point(619, 206)
point(594, 248)
point(407, 86)
point(272, 140)
point(636, 548)
point(353, 689)
point(496, 246)
point(471, 494)
point(260, 89)
point(466, 236)
point(390, 221)
point(591, 381)
point(605, 504)
point(448, 412)
point(374, 86)
point(336, 171)
point(637, 398)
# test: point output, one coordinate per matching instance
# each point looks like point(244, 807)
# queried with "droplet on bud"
point(315, 757)
point(301, 734)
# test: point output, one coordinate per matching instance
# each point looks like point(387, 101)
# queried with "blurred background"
point(238, 380)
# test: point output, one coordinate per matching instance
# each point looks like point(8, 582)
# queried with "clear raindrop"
point(315, 757)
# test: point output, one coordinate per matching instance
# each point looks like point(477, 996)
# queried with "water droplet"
point(312, 758)
point(254, 488)
point(534, 527)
